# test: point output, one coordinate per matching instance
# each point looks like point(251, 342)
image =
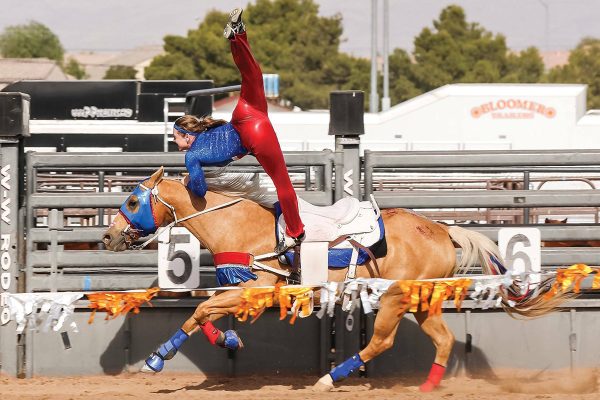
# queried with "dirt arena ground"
point(512, 385)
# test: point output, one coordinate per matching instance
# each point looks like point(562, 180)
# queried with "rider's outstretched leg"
point(250, 118)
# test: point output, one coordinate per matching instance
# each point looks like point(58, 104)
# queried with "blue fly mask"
point(138, 211)
point(141, 220)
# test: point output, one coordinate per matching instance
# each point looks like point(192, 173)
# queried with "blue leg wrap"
point(346, 368)
point(231, 341)
point(155, 362)
point(168, 349)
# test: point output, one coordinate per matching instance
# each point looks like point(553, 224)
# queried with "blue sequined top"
point(215, 147)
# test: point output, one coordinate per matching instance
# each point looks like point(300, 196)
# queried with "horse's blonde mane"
point(245, 185)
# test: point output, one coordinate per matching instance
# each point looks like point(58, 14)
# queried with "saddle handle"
point(375, 206)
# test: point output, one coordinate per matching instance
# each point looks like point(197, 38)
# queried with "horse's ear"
point(155, 178)
point(564, 221)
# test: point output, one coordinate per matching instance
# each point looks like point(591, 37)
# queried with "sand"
point(512, 385)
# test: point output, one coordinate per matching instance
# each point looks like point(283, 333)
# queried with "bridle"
point(139, 224)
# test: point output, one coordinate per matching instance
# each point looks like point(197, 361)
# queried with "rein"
point(154, 192)
point(155, 195)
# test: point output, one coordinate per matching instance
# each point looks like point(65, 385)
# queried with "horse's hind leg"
point(443, 339)
point(217, 306)
point(392, 308)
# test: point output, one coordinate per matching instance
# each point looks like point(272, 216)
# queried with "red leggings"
point(251, 120)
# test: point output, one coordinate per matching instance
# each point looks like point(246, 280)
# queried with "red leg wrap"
point(211, 333)
point(435, 377)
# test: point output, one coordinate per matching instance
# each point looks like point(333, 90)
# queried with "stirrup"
point(288, 242)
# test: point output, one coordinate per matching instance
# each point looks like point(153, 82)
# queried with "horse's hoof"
point(427, 387)
point(325, 384)
point(147, 370)
point(153, 364)
point(232, 341)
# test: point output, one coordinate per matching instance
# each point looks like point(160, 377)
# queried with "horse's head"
point(139, 216)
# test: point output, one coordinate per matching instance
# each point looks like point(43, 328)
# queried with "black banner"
point(109, 99)
point(80, 99)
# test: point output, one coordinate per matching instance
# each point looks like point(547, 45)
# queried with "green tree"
point(402, 86)
point(288, 37)
point(35, 40)
point(583, 67)
point(170, 66)
point(457, 51)
point(32, 40)
point(120, 72)
point(73, 68)
point(526, 67)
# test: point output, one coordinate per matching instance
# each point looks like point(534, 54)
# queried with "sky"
point(109, 25)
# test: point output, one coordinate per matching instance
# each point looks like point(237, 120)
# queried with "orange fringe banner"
point(299, 300)
point(431, 295)
point(572, 276)
point(418, 295)
point(427, 295)
point(596, 281)
point(256, 300)
point(116, 304)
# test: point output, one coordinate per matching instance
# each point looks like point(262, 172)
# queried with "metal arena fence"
point(122, 346)
point(59, 255)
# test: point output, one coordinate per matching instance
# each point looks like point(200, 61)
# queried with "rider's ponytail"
point(192, 124)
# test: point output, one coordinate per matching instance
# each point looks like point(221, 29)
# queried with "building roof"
point(96, 63)
point(555, 58)
point(16, 69)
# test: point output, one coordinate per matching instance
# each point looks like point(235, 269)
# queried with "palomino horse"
point(417, 249)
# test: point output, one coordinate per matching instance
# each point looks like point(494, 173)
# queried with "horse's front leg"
point(217, 306)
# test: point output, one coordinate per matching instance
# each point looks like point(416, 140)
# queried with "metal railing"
point(53, 263)
point(502, 206)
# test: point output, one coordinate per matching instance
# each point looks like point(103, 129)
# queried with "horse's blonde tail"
point(535, 303)
point(477, 249)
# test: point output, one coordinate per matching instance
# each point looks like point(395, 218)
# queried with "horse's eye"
point(132, 204)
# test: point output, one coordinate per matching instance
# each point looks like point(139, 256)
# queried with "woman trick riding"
point(211, 142)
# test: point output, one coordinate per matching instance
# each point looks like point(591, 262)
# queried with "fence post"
point(346, 123)
point(14, 125)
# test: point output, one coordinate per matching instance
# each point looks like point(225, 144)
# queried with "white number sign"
point(521, 250)
point(178, 259)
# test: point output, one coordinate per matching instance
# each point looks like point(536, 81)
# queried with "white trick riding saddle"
point(350, 218)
